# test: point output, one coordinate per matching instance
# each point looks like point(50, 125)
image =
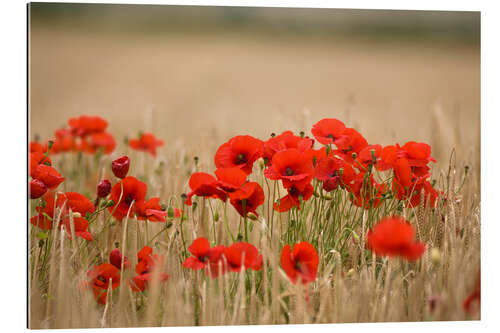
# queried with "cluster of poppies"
point(345, 160)
point(101, 278)
point(44, 177)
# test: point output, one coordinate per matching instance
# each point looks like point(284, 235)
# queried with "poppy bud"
point(120, 166)
point(170, 212)
point(103, 188)
point(252, 216)
point(115, 258)
point(37, 188)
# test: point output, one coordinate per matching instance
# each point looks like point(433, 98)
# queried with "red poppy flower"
point(241, 151)
point(394, 236)
point(133, 190)
point(37, 189)
point(103, 188)
point(328, 131)
point(284, 141)
point(366, 191)
point(120, 166)
point(48, 175)
point(37, 147)
point(292, 199)
point(116, 257)
point(243, 255)
point(85, 125)
point(316, 155)
point(64, 141)
point(474, 297)
point(370, 155)
point(147, 142)
point(101, 140)
point(147, 264)
point(247, 198)
point(301, 263)
point(204, 185)
point(205, 257)
point(230, 179)
point(292, 167)
point(351, 141)
point(81, 226)
point(334, 172)
point(36, 159)
point(150, 210)
point(412, 195)
point(100, 278)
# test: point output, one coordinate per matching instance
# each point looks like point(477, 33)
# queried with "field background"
point(203, 74)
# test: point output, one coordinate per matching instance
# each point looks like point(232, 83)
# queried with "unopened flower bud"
point(252, 216)
point(120, 166)
point(170, 212)
point(115, 258)
point(103, 188)
point(37, 188)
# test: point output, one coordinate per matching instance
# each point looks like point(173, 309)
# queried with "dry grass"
point(195, 95)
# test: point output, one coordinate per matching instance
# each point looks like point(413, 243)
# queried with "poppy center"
point(129, 199)
point(331, 136)
point(203, 258)
point(289, 171)
point(101, 278)
point(241, 158)
point(293, 191)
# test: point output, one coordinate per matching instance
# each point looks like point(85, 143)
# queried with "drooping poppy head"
point(243, 255)
point(48, 175)
point(204, 185)
point(292, 167)
point(328, 131)
point(133, 191)
point(240, 151)
point(246, 199)
point(37, 189)
point(103, 188)
point(116, 257)
point(85, 125)
point(120, 166)
point(230, 179)
point(146, 142)
point(394, 236)
point(301, 263)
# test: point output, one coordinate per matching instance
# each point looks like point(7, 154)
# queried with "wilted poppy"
point(240, 151)
point(146, 142)
point(394, 236)
point(247, 198)
point(133, 191)
point(301, 263)
point(243, 255)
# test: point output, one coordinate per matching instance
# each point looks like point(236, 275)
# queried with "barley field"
point(198, 91)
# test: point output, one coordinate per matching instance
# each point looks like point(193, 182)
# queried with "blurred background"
point(203, 74)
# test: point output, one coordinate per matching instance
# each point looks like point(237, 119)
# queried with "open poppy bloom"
point(85, 125)
point(205, 257)
point(116, 257)
point(394, 236)
point(204, 185)
point(150, 210)
point(37, 147)
point(230, 179)
point(243, 255)
point(351, 141)
point(247, 198)
point(240, 151)
point(100, 279)
point(147, 264)
point(301, 263)
point(412, 195)
point(81, 226)
point(292, 167)
point(293, 198)
point(284, 141)
point(146, 142)
point(334, 172)
point(370, 155)
point(100, 140)
point(48, 175)
point(133, 191)
point(37, 158)
point(328, 131)
point(64, 141)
